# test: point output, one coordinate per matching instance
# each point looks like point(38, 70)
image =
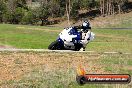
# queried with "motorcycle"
point(70, 42)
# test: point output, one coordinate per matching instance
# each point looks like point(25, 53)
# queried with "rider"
point(85, 35)
point(74, 34)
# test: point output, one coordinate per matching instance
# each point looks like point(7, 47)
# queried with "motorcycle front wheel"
point(55, 46)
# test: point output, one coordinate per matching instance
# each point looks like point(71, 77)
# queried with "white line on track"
point(41, 50)
point(67, 51)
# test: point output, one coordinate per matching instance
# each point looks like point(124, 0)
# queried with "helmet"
point(86, 26)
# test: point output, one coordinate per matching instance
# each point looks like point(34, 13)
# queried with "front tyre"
point(55, 46)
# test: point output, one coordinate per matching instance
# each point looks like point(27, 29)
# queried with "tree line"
point(38, 11)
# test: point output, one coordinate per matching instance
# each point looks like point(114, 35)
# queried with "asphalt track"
point(61, 51)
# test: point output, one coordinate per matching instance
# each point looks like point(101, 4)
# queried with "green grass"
point(111, 40)
point(117, 63)
point(129, 62)
point(24, 36)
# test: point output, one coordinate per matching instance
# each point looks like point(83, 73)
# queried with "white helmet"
point(86, 26)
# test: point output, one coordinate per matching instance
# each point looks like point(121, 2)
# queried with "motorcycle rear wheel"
point(78, 47)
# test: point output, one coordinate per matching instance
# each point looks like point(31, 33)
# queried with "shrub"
point(2, 10)
point(14, 17)
point(29, 18)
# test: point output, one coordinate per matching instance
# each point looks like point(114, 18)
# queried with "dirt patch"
point(26, 69)
point(14, 66)
point(6, 47)
point(101, 22)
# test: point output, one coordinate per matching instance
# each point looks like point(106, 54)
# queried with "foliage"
point(29, 18)
point(55, 8)
point(75, 7)
point(18, 11)
point(18, 15)
point(7, 17)
point(2, 10)
point(14, 17)
point(43, 12)
point(110, 7)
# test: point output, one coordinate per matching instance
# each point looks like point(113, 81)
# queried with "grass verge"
point(37, 37)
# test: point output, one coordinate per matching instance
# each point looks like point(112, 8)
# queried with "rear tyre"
point(78, 46)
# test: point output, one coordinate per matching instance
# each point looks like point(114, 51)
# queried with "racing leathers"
point(75, 36)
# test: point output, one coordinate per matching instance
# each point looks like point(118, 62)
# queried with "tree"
point(22, 4)
point(14, 18)
point(72, 7)
point(119, 4)
point(109, 7)
point(18, 15)
point(43, 12)
point(68, 10)
point(2, 9)
point(54, 8)
point(29, 18)
point(15, 11)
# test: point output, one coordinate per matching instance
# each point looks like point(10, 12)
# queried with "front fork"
point(61, 43)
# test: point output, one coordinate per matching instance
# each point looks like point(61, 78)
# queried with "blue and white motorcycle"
point(66, 41)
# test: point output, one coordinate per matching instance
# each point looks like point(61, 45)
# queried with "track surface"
point(64, 51)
